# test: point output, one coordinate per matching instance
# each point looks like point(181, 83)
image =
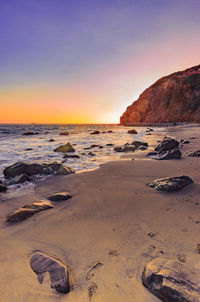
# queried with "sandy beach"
point(113, 225)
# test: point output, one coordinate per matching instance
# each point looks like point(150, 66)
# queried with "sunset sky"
point(85, 61)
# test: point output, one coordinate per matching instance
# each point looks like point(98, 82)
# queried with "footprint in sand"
point(92, 289)
point(89, 274)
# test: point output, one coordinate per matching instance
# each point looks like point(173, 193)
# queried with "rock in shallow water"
point(29, 169)
point(65, 148)
point(60, 196)
point(171, 183)
point(171, 281)
point(29, 210)
point(59, 274)
point(3, 188)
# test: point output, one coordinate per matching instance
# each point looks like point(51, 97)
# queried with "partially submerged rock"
point(171, 183)
point(62, 170)
point(137, 144)
point(60, 196)
point(171, 281)
point(132, 131)
point(29, 169)
point(29, 210)
point(65, 148)
point(3, 187)
point(30, 133)
point(167, 144)
point(95, 132)
point(118, 149)
point(128, 149)
point(71, 156)
point(171, 154)
point(194, 154)
point(64, 133)
point(19, 179)
point(58, 273)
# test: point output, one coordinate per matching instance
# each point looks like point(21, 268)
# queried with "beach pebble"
point(171, 183)
point(132, 131)
point(171, 281)
point(65, 148)
point(58, 273)
point(29, 210)
point(60, 196)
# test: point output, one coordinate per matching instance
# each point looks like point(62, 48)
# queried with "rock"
point(64, 133)
point(94, 146)
point(62, 170)
point(51, 140)
point(20, 179)
point(109, 145)
point(91, 154)
point(109, 131)
point(29, 169)
point(29, 210)
point(128, 149)
point(65, 148)
point(29, 149)
point(132, 131)
point(194, 154)
point(171, 154)
point(142, 148)
point(3, 187)
point(95, 132)
point(60, 196)
point(167, 144)
point(171, 183)
point(71, 156)
point(22, 168)
point(58, 273)
point(171, 281)
point(185, 142)
point(30, 133)
point(118, 149)
point(137, 144)
point(174, 98)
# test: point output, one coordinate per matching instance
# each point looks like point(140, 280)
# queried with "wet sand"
point(113, 220)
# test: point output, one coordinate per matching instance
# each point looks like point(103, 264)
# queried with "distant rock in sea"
point(173, 98)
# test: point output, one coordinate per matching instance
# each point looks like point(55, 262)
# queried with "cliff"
point(173, 98)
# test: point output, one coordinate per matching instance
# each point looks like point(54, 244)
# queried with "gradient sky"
point(85, 61)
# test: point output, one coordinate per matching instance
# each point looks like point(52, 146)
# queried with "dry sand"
point(107, 221)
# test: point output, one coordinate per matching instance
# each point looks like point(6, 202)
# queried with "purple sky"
point(86, 61)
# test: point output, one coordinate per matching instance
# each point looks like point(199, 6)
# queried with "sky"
point(85, 61)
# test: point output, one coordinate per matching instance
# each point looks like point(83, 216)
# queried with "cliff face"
point(174, 98)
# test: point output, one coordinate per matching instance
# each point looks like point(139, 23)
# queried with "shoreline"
point(107, 220)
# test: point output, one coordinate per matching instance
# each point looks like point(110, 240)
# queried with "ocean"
point(38, 148)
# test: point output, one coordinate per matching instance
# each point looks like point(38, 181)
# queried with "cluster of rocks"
point(21, 172)
point(135, 145)
point(167, 149)
point(98, 132)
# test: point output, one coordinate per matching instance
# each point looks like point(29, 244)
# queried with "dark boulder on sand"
point(171, 154)
point(167, 144)
point(29, 169)
point(58, 273)
point(60, 196)
point(65, 148)
point(172, 281)
point(171, 183)
point(29, 210)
